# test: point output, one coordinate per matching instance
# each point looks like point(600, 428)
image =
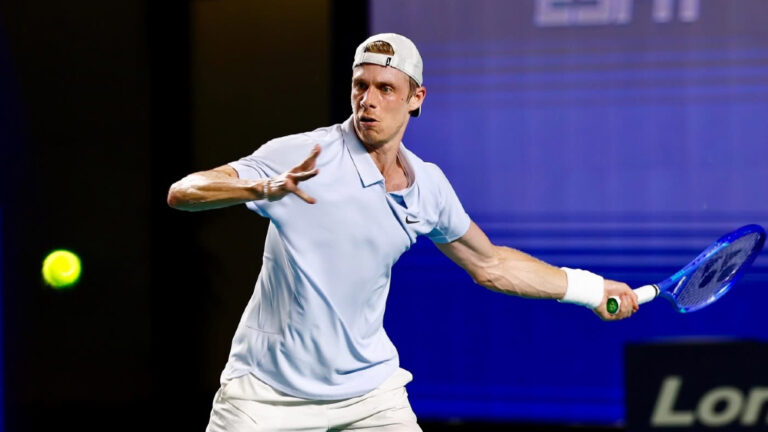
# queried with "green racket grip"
point(645, 294)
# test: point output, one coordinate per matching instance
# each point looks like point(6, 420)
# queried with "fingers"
point(629, 304)
point(309, 162)
point(303, 195)
point(628, 300)
point(304, 175)
point(627, 307)
point(299, 177)
point(287, 182)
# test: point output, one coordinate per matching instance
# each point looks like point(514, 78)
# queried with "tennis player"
point(345, 201)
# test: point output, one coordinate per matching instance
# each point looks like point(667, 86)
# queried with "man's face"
point(380, 103)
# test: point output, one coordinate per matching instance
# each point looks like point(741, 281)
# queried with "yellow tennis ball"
point(61, 269)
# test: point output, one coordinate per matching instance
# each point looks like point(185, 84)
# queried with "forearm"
point(210, 190)
point(514, 272)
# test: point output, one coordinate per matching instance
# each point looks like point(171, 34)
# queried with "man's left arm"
point(511, 271)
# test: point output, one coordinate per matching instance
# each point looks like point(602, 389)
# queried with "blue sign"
point(622, 137)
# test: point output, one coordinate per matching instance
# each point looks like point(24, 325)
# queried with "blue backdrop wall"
point(618, 136)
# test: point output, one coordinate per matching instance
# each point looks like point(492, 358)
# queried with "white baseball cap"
point(406, 57)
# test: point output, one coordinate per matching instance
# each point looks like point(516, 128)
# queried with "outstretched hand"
point(629, 304)
point(286, 183)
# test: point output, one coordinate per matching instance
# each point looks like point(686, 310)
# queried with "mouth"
point(367, 120)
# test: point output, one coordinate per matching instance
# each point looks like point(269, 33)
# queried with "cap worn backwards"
point(406, 57)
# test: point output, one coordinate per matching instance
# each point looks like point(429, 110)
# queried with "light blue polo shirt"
point(313, 327)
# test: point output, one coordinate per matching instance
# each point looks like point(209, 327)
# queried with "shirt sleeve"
point(273, 158)
point(453, 222)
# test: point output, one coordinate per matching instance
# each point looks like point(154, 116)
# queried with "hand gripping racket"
point(708, 277)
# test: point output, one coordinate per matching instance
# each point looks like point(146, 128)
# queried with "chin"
point(369, 137)
point(372, 140)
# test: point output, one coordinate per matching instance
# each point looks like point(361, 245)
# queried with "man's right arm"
point(222, 187)
point(216, 188)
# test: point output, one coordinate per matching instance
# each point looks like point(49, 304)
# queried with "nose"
point(367, 101)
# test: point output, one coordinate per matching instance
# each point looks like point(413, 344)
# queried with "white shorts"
point(247, 404)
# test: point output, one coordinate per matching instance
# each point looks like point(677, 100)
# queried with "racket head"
point(712, 274)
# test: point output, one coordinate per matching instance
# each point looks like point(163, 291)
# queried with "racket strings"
point(714, 276)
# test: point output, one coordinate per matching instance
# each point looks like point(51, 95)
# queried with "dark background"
point(105, 104)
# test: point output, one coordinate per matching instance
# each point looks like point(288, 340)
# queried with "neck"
point(384, 156)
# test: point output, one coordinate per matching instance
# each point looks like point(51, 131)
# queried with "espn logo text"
point(719, 407)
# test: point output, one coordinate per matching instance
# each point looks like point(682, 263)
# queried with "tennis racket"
point(708, 277)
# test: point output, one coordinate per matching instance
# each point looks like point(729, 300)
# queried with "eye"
point(387, 89)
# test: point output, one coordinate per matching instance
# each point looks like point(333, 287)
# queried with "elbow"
point(172, 200)
point(175, 198)
point(485, 272)
point(491, 276)
point(483, 278)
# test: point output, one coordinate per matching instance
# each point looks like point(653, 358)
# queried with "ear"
point(417, 98)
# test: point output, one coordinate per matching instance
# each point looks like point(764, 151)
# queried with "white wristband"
point(584, 288)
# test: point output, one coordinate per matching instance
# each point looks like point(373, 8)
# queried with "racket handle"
point(645, 294)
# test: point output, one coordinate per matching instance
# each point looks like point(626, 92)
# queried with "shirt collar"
point(367, 170)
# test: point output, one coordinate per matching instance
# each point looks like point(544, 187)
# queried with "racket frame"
point(664, 288)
